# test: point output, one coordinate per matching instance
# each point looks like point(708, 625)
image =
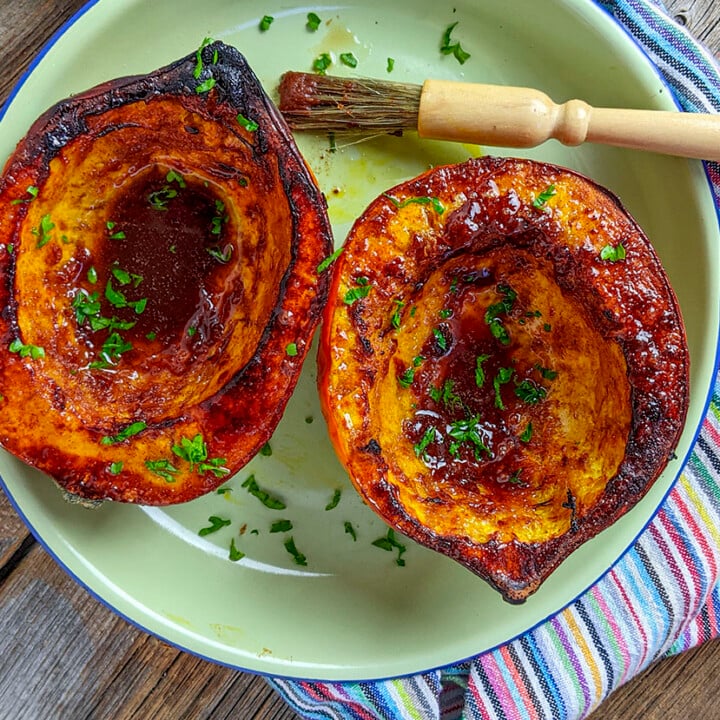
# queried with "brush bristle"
point(323, 103)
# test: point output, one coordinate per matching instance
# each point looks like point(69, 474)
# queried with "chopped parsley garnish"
point(332, 145)
point(546, 373)
point(205, 86)
point(86, 305)
point(427, 438)
point(266, 22)
point(361, 291)
point(322, 63)
point(446, 395)
point(234, 554)
point(313, 22)
point(613, 253)
point(119, 235)
point(396, 317)
point(266, 450)
point(249, 125)
point(192, 331)
point(113, 347)
point(195, 452)
point(32, 351)
point(350, 530)
point(390, 64)
point(479, 371)
point(504, 375)
point(281, 526)
point(159, 198)
point(116, 468)
point(216, 523)
point(198, 58)
point(173, 176)
point(547, 327)
point(435, 202)
point(334, 500)
point(222, 256)
point(527, 433)
point(449, 48)
point(32, 191)
point(297, 556)
point(329, 260)
point(43, 233)
point(440, 339)
point(92, 275)
point(264, 497)
point(163, 468)
point(127, 432)
point(466, 431)
point(406, 379)
point(117, 299)
point(125, 278)
point(389, 543)
point(544, 196)
point(219, 219)
point(529, 392)
point(348, 59)
point(494, 313)
point(291, 349)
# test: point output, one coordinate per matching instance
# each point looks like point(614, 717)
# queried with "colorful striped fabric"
point(567, 666)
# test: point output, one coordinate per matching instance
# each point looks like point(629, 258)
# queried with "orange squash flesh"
point(503, 365)
point(159, 239)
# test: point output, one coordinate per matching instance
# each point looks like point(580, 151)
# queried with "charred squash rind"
point(443, 250)
point(94, 446)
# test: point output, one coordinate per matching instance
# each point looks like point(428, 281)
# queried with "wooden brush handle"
point(522, 117)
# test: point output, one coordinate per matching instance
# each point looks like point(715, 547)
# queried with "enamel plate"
point(352, 612)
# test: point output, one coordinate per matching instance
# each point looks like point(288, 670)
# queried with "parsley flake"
point(205, 86)
point(321, 63)
point(613, 253)
point(449, 48)
point(216, 523)
point(34, 352)
point(249, 125)
point(281, 526)
point(389, 543)
point(297, 556)
point(264, 497)
point(357, 293)
point(234, 554)
point(335, 499)
point(133, 429)
point(544, 196)
point(348, 59)
point(328, 261)
point(313, 22)
point(424, 200)
point(266, 22)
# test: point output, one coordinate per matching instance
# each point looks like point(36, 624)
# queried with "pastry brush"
point(487, 115)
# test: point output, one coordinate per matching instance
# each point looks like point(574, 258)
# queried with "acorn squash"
point(503, 364)
point(159, 243)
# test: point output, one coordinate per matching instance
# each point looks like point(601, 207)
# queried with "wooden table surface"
point(64, 656)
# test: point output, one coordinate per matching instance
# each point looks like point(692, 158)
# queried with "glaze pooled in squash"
point(159, 243)
point(503, 365)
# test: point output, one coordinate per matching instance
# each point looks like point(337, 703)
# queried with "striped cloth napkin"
point(565, 668)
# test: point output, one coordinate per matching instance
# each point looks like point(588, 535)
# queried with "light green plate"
point(352, 612)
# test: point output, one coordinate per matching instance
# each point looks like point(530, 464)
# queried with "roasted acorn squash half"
point(503, 364)
point(159, 243)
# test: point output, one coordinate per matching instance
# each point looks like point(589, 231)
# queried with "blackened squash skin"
point(503, 364)
point(159, 243)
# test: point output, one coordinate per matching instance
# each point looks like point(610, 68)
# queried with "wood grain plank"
point(65, 655)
